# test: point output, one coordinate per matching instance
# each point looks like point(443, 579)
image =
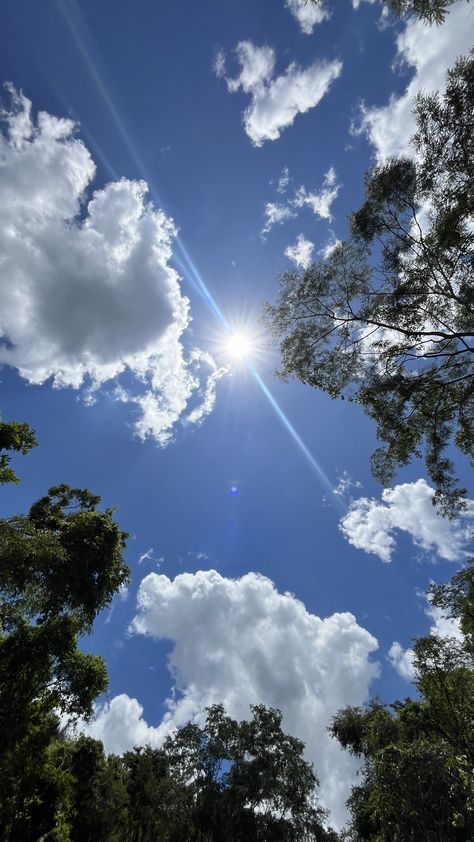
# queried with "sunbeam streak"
point(239, 348)
point(294, 435)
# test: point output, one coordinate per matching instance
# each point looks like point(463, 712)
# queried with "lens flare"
point(238, 345)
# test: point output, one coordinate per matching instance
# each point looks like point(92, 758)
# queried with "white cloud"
point(402, 660)
point(300, 252)
point(308, 14)
point(275, 214)
point(356, 3)
point(369, 525)
point(319, 201)
point(146, 556)
point(329, 247)
point(120, 725)
point(241, 642)
point(283, 180)
point(345, 484)
point(257, 66)
point(88, 291)
point(275, 101)
point(430, 51)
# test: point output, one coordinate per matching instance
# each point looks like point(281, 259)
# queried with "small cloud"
point(275, 101)
point(345, 484)
point(370, 525)
point(442, 625)
point(300, 252)
point(328, 249)
point(402, 660)
point(146, 556)
point(319, 201)
point(308, 14)
point(283, 180)
point(219, 64)
point(275, 214)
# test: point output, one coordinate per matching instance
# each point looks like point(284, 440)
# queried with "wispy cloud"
point(283, 180)
point(319, 201)
point(300, 252)
point(308, 14)
point(275, 214)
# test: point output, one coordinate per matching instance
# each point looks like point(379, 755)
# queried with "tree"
point(387, 320)
point(456, 599)
point(418, 754)
point(248, 780)
point(17, 437)
point(431, 11)
point(59, 566)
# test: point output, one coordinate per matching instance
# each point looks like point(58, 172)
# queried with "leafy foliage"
point(418, 754)
point(387, 319)
point(431, 11)
point(13, 437)
point(59, 565)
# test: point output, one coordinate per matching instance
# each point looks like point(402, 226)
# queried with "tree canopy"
point(387, 320)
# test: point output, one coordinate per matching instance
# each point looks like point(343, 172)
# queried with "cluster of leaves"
point(387, 319)
point(431, 11)
point(418, 755)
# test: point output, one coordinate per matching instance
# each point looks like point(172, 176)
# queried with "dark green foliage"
point(16, 437)
point(64, 557)
point(431, 11)
point(225, 782)
point(457, 600)
point(59, 565)
point(418, 754)
point(387, 319)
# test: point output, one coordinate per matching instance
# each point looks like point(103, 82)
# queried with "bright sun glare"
point(238, 345)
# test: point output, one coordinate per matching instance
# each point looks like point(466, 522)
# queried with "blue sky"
point(252, 126)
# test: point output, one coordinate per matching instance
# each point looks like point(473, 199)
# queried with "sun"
point(238, 345)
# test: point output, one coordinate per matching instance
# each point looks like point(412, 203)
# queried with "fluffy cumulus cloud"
point(369, 525)
point(275, 100)
point(308, 14)
point(429, 52)
point(241, 642)
point(300, 252)
point(403, 660)
point(87, 288)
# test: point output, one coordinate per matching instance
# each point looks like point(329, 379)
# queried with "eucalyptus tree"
point(387, 319)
